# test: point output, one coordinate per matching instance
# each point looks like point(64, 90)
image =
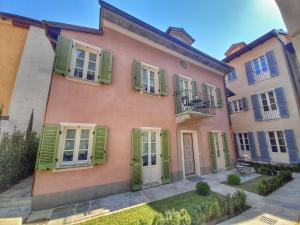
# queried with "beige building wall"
point(245, 121)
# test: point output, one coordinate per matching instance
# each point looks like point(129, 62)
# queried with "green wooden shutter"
point(47, 153)
point(105, 67)
point(163, 83)
point(100, 145)
point(177, 94)
point(205, 91)
point(63, 56)
point(136, 160)
point(194, 88)
point(166, 161)
point(219, 97)
point(226, 151)
point(137, 76)
point(212, 149)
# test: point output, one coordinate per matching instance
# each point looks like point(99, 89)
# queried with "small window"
point(277, 141)
point(76, 145)
point(243, 141)
point(260, 68)
point(237, 105)
point(150, 79)
point(85, 63)
point(231, 76)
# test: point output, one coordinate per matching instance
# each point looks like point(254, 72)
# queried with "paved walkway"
point(16, 201)
point(284, 203)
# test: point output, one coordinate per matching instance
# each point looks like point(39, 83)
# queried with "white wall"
point(32, 83)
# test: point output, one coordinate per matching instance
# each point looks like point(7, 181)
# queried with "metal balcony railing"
point(191, 101)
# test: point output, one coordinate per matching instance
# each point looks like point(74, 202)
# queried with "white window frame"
point(187, 79)
point(214, 93)
point(237, 102)
point(75, 163)
point(277, 141)
point(155, 70)
point(243, 141)
point(271, 114)
point(158, 145)
point(88, 49)
point(263, 75)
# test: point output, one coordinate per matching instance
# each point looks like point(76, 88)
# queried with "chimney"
point(180, 34)
point(234, 47)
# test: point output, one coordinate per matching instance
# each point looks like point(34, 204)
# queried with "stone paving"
point(80, 212)
point(16, 201)
point(283, 203)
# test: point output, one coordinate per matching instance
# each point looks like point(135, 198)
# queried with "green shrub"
point(197, 215)
point(239, 200)
point(286, 176)
point(265, 170)
point(173, 217)
point(202, 188)
point(296, 168)
point(233, 179)
point(17, 156)
point(214, 210)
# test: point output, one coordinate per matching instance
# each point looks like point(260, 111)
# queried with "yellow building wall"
point(12, 40)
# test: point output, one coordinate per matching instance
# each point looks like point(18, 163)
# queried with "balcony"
point(191, 104)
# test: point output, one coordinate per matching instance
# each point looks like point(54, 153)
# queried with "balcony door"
point(151, 158)
point(188, 153)
point(218, 142)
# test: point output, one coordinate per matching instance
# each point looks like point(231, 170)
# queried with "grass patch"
point(149, 211)
point(251, 185)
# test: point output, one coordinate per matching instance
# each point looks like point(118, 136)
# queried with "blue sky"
point(215, 24)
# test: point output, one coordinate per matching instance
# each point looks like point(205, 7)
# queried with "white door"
point(151, 158)
point(219, 151)
point(188, 153)
point(278, 149)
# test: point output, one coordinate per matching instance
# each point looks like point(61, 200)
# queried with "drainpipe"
point(230, 122)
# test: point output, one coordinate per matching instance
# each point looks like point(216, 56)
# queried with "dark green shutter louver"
point(105, 67)
point(226, 151)
point(136, 160)
point(194, 88)
point(47, 153)
point(163, 82)
point(219, 97)
point(166, 162)
point(100, 145)
point(212, 149)
point(177, 94)
point(63, 56)
point(137, 76)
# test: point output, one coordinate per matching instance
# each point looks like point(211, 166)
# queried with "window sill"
point(72, 167)
point(151, 94)
point(82, 80)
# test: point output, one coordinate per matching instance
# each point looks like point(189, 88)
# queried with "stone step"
point(15, 212)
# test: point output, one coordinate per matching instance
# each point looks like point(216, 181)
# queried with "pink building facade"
point(130, 107)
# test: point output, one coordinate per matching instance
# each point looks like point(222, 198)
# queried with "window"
point(150, 151)
point(150, 79)
point(237, 105)
point(260, 68)
point(85, 63)
point(277, 141)
point(231, 76)
point(212, 93)
point(269, 105)
point(76, 145)
point(243, 141)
